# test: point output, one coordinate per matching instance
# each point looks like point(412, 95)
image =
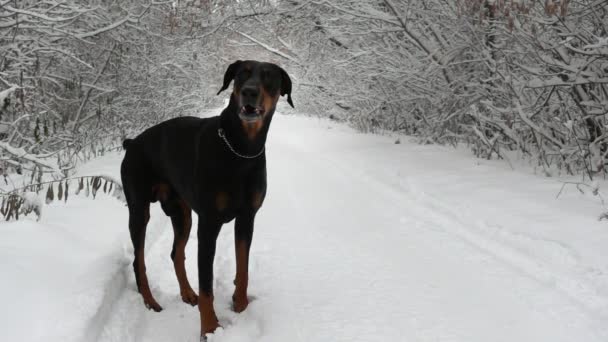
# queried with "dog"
point(215, 167)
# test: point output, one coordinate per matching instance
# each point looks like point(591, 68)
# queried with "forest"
point(504, 77)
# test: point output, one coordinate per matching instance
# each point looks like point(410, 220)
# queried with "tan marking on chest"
point(221, 200)
point(252, 128)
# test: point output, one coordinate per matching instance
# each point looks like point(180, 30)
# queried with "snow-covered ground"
point(359, 239)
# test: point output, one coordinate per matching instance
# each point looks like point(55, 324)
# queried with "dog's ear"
point(229, 75)
point(286, 86)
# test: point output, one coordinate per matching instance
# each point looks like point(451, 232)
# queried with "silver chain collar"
point(220, 132)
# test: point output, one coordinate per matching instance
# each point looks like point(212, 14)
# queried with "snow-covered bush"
point(77, 76)
point(498, 75)
point(22, 201)
point(495, 74)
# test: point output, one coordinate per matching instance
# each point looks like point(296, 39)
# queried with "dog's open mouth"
point(251, 113)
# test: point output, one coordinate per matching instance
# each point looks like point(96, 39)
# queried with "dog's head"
point(257, 86)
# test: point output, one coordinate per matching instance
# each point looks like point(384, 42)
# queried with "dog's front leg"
point(208, 229)
point(243, 234)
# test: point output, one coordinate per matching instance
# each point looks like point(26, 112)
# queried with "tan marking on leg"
point(258, 199)
point(208, 318)
point(144, 287)
point(221, 200)
point(187, 293)
point(239, 298)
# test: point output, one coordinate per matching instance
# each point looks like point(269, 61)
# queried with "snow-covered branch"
point(20, 153)
point(269, 48)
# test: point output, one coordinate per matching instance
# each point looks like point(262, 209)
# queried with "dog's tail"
point(126, 143)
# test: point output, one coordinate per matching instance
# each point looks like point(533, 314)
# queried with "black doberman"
point(215, 166)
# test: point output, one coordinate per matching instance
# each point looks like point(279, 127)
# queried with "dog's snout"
point(250, 94)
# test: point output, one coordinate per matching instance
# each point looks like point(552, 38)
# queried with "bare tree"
point(498, 75)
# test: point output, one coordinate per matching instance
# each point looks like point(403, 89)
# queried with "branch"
point(88, 94)
point(534, 127)
point(40, 16)
point(269, 48)
point(418, 41)
point(104, 29)
point(22, 154)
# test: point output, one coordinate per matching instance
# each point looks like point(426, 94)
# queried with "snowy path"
point(364, 240)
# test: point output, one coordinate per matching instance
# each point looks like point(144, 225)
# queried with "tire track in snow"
point(580, 298)
point(118, 285)
point(582, 295)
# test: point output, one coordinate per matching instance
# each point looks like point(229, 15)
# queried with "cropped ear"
point(229, 75)
point(286, 86)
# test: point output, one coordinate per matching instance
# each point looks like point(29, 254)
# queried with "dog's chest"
point(228, 204)
point(233, 193)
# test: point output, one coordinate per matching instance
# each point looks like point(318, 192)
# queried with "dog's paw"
point(153, 305)
point(210, 325)
point(239, 303)
point(189, 297)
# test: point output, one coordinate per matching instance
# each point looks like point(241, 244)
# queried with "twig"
point(595, 190)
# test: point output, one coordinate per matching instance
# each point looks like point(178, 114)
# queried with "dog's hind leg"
point(181, 217)
point(139, 215)
point(136, 184)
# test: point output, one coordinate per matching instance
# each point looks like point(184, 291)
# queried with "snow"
point(33, 201)
point(359, 239)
